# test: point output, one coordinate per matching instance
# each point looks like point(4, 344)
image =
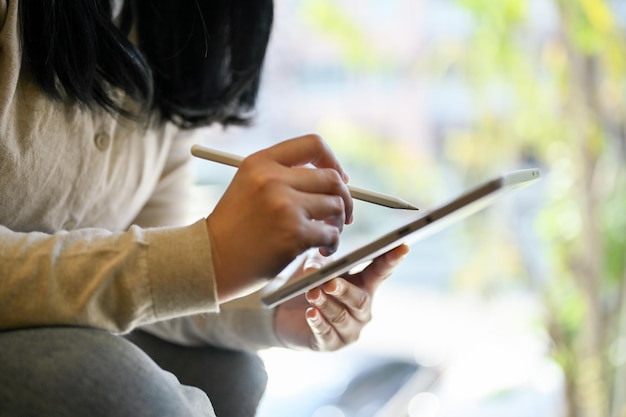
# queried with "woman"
point(96, 102)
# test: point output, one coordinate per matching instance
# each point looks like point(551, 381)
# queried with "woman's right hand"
point(275, 209)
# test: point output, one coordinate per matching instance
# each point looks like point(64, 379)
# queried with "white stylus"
point(356, 192)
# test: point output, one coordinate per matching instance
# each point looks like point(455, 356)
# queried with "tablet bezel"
point(426, 224)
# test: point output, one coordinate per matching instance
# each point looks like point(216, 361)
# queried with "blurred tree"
point(547, 80)
point(555, 93)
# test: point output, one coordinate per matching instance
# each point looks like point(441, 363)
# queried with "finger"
point(396, 255)
point(308, 149)
point(322, 181)
point(353, 297)
point(320, 235)
point(324, 336)
point(322, 207)
point(311, 149)
point(317, 259)
point(382, 267)
point(313, 261)
point(336, 315)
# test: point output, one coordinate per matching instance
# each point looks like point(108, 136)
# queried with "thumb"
point(313, 260)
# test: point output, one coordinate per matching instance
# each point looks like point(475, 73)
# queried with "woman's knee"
point(235, 381)
point(74, 371)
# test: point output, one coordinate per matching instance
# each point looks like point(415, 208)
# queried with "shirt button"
point(102, 141)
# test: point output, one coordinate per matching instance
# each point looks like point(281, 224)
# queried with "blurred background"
point(517, 311)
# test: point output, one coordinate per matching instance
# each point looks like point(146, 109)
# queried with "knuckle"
point(299, 236)
point(353, 337)
point(363, 303)
point(322, 338)
point(251, 163)
point(280, 205)
point(317, 146)
point(366, 317)
point(327, 332)
point(338, 205)
point(265, 181)
point(334, 211)
point(278, 201)
point(333, 238)
point(264, 186)
point(340, 318)
point(333, 177)
point(335, 183)
point(316, 140)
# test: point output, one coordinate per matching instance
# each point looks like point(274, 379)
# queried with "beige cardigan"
point(90, 212)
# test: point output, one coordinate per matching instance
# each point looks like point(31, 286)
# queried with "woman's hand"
point(274, 210)
point(333, 315)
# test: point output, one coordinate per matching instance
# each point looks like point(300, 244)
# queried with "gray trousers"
point(77, 372)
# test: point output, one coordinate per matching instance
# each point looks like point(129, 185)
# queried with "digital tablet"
point(422, 226)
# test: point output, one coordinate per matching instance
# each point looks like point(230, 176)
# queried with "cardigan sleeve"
point(243, 324)
point(97, 278)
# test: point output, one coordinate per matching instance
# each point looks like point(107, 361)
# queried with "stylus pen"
point(356, 192)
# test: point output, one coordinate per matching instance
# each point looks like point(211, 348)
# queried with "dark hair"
point(197, 61)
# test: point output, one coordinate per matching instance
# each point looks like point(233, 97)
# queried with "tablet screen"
point(424, 225)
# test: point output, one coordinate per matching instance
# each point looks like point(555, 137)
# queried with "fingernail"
point(336, 287)
point(312, 317)
point(312, 263)
point(315, 297)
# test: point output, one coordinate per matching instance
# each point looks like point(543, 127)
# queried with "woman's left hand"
point(332, 316)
